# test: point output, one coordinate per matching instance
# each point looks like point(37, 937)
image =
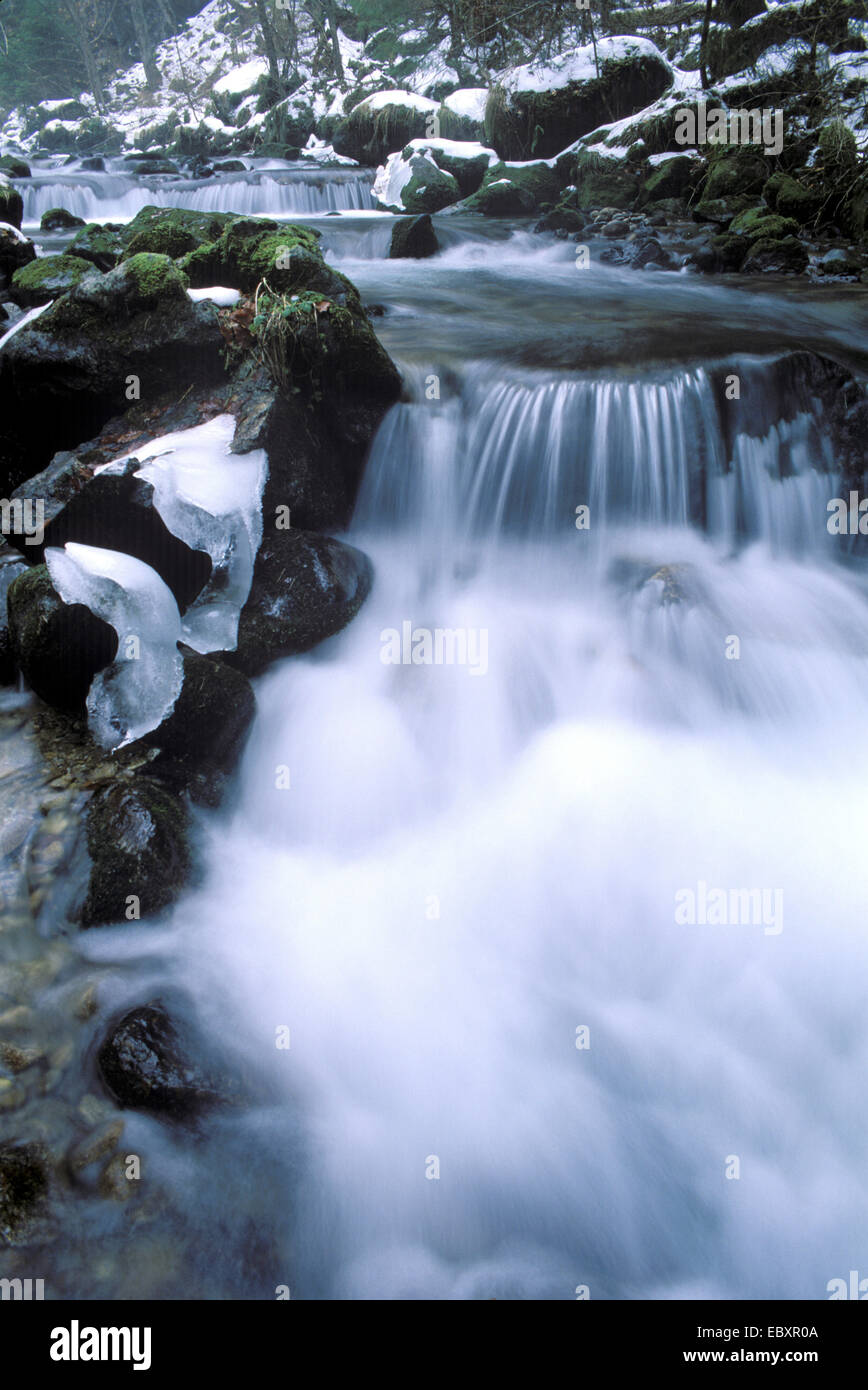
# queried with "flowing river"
point(515, 1070)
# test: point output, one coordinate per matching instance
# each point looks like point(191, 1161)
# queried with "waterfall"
point(500, 452)
point(117, 197)
point(516, 1071)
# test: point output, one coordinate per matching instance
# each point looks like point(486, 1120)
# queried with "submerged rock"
point(305, 588)
point(24, 1192)
point(138, 842)
point(413, 238)
point(148, 1062)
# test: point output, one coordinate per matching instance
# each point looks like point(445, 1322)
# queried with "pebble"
point(95, 1145)
point(18, 1058)
point(113, 1180)
point(17, 1017)
point(11, 1094)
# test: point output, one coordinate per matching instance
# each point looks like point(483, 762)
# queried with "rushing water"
point(474, 862)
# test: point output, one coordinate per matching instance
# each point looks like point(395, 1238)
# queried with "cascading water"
point(513, 1070)
point(117, 197)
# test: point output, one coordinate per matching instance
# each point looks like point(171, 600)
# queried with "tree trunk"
point(145, 44)
point(703, 46)
point(81, 30)
point(332, 17)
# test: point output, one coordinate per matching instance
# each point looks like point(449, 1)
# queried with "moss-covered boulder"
point(72, 369)
point(722, 211)
point(13, 166)
point(58, 219)
point(540, 109)
point(202, 227)
point(671, 178)
point(383, 123)
point(138, 843)
point(790, 198)
point(58, 647)
point(44, 279)
point(758, 224)
point(514, 190)
point(11, 204)
point(413, 238)
point(428, 188)
point(102, 245)
point(733, 170)
point(564, 219)
point(466, 163)
point(605, 183)
point(776, 256)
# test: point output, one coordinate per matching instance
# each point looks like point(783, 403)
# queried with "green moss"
point(790, 198)
point(735, 170)
point(673, 178)
point(165, 239)
point(15, 168)
point(429, 188)
point(758, 223)
point(46, 278)
point(249, 251)
point(103, 245)
point(155, 277)
point(203, 226)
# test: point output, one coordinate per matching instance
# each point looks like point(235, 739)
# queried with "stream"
point(514, 1070)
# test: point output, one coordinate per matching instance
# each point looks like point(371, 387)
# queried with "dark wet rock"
point(524, 124)
point(58, 647)
point(615, 228)
point(305, 588)
point(24, 1193)
point(721, 211)
point(413, 238)
point(15, 251)
point(202, 739)
point(230, 166)
point(734, 170)
point(138, 843)
point(509, 190)
point(11, 567)
point(115, 511)
point(45, 279)
point(605, 184)
point(94, 164)
point(58, 219)
point(67, 373)
point(840, 262)
point(157, 166)
point(149, 1061)
point(759, 224)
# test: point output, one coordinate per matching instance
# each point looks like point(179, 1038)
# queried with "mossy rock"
point(164, 239)
point(510, 190)
point(785, 195)
point(15, 251)
point(605, 184)
point(204, 227)
point(101, 245)
point(759, 224)
point(721, 211)
point(44, 279)
point(413, 238)
point(776, 256)
point(838, 149)
point(429, 189)
point(14, 167)
point(11, 204)
point(58, 219)
point(525, 124)
point(371, 135)
point(672, 178)
point(729, 251)
point(251, 250)
point(24, 1193)
point(735, 170)
point(467, 171)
